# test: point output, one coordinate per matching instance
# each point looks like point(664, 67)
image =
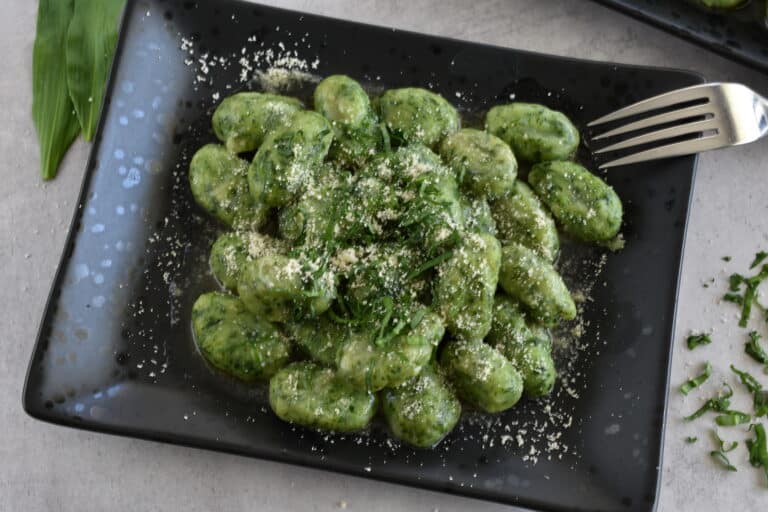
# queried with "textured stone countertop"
point(43, 467)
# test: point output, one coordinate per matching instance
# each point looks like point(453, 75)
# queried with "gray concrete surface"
point(44, 468)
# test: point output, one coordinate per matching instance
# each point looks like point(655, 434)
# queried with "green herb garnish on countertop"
point(74, 45)
point(748, 298)
point(695, 340)
point(52, 110)
point(732, 418)
point(720, 403)
point(754, 350)
point(697, 381)
point(723, 460)
point(722, 444)
point(758, 448)
point(759, 258)
point(691, 439)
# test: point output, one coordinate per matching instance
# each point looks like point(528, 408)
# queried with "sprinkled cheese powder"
point(533, 429)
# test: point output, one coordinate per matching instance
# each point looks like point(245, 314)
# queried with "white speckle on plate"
point(97, 228)
point(613, 429)
point(81, 271)
point(133, 178)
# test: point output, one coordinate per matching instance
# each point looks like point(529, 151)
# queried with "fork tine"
point(667, 117)
point(686, 147)
point(659, 135)
point(696, 92)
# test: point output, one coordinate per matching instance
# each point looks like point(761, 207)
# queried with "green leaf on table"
point(723, 460)
point(52, 110)
point(697, 381)
point(732, 418)
point(695, 340)
point(754, 350)
point(758, 448)
point(720, 403)
point(90, 46)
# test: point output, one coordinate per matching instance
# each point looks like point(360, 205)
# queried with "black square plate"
point(740, 34)
point(115, 353)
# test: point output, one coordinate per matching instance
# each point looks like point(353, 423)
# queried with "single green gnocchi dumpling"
point(466, 284)
point(484, 164)
point(534, 132)
point(586, 206)
point(243, 120)
point(309, 395)
point(231, 251)
point(357, 134)
point(528, 346)
point(235, 341)
point(320, 339)
point(482, 376)
point(535, 283)
point(219, 185)
point(312, 219)
point(423, 410)
point(511, 325)
point(288, 159)
point(281, 288)
point(228, 256)
point(417, 116)
point(521, 217)
point(478, 216)
point(367, 362)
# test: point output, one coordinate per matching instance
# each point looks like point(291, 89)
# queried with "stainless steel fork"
point(708, 116)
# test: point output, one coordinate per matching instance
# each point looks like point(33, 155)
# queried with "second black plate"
point(740, 34)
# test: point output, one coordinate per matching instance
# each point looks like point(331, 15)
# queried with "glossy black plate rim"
point(35, 410)
point(697, 37)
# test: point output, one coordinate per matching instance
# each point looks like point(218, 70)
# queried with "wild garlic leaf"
point(91, 41)
point(52, 110)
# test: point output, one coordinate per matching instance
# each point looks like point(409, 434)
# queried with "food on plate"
point(375, 256)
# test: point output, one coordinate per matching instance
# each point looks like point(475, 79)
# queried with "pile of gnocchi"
point(380, 259)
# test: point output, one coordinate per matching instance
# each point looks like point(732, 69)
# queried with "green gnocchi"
point(379, 256)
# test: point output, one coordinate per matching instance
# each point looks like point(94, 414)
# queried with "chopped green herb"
point(732, 418)
point(758, 449)
point(430, 264)
point(723, 446)
point(726, 258)
point(691, 439)
point(694, 340)
point(723, 460)
point(748, 380)
point(735, 281)
point(718, 404)
point(759, 257)
point(754, 350)
point(760, 403)
point(697, 381)
point(750, 293)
